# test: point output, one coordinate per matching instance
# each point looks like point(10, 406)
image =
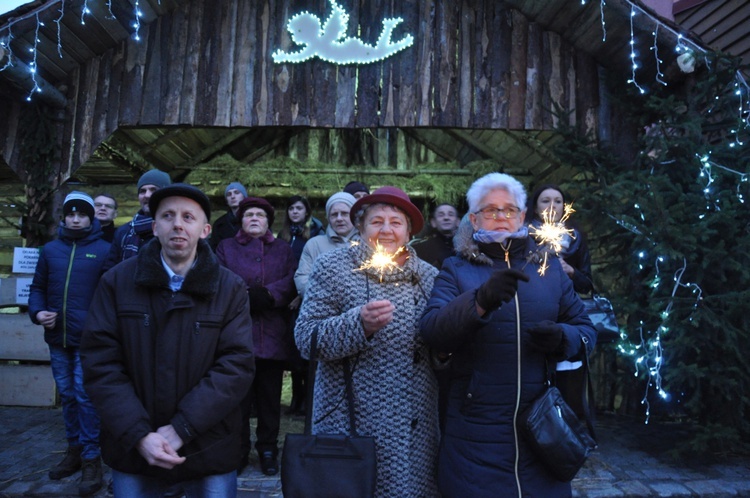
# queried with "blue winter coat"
point(66, 276)
point(494, 373)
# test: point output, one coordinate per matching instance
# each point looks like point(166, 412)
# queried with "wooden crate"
point(27, 385)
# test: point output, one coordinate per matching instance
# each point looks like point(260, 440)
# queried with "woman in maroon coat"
point(267, 266)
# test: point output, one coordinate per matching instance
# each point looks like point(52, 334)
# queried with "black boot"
point(91, 477)
point(69, 465)
point(269, 463)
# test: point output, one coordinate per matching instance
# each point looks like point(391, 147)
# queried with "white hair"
point(495, 181)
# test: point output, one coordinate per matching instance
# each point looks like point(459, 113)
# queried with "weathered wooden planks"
point(474, 64)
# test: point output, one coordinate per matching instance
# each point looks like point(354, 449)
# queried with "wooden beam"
point(209, 152)
point(20, 75)
point(416, 135)
point(261, 151)
point(481, 148)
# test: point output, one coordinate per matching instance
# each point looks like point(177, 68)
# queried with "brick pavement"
point(32, 440)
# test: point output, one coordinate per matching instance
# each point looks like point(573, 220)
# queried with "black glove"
point(260, 298)
point(500, 288)
point(546, 336)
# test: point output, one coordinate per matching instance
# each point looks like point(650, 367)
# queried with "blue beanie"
point(154, 177)
point(237, 186)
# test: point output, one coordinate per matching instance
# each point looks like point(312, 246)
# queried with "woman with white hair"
point(501, 321)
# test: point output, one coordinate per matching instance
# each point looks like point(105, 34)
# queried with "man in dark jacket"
point(167, 355)
point(227, 225)
point(66, 275)
point(439, 244)
point(129, 238)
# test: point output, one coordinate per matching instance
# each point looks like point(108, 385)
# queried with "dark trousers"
point(266, 394)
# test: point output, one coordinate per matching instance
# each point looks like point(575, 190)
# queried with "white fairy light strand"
point(5, 44)
point(655, 49)
point(32, 64)
point(601, 15)
point(84, 11)
point(58, 21)
point(634, 64)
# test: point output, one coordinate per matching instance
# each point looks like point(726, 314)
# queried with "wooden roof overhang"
point(163, 101)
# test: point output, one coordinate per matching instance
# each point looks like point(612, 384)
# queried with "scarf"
point(491, 237)
point(140, 231)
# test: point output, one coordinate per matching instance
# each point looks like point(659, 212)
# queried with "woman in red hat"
point(367, 314)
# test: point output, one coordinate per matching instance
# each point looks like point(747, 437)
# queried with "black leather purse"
point(328, 465)
point(554, 432)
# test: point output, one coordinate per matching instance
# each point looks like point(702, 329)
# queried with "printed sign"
point(22, 290)
point(24, 259)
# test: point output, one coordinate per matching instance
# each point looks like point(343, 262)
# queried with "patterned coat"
point(394, 388)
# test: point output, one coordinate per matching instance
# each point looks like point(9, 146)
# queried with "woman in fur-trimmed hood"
point(370, 318)
point(500, 320)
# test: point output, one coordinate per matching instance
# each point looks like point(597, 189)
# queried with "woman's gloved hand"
point(546, 336)
point(499, 288)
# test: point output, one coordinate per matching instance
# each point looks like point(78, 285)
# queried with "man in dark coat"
point(227, 225)
point(129, 238)
point(167, 356)
point(439, 244)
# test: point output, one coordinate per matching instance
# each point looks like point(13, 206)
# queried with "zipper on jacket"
point(518, 381)
point(146, 319)
point(65, 297)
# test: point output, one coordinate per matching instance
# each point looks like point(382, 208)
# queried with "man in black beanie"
point(129, 238)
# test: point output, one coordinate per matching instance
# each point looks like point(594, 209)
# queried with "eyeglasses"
point(102, 205)
point(490, 213)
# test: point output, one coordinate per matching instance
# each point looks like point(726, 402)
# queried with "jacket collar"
point(201, 281)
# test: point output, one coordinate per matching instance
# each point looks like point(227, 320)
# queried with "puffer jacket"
point(153, 357)
point(494, 373)
point(265, 262)
point(66, 275)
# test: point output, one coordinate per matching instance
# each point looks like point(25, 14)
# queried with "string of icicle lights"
point(6, 34)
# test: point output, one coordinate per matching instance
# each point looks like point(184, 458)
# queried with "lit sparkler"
point(381, 261)
point(551, 233)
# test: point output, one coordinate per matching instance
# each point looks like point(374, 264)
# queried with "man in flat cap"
point(167, 356)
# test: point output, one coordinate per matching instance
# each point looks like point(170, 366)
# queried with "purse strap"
point(312, 368)
point(587, 394)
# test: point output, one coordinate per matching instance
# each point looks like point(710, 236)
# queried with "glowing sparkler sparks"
point(551, 234)
point(381, 261)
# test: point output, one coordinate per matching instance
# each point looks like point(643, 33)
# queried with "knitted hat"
point(354, 187)
point(257, 202)
point(344, 197)
point(78, 202)
point(237, 186)
point(395, 197)
point(179, 190)
point(154, 177)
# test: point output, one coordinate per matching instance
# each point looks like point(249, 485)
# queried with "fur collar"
point(201, 281)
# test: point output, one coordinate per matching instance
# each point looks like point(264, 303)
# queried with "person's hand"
point(260, 298)
point(295, 303)
point(47, 319)
point(168, 433)
point(569, 270)
point(156, 450)
point(499, 288)
point(546, 336)
point(375, 315)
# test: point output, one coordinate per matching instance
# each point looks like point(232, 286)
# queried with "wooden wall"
point(474, 64)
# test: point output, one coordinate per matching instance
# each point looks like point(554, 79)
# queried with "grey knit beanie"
point(154, 177)
point(347, 199)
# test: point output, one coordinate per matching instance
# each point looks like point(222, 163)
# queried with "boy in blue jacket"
point(66, 275)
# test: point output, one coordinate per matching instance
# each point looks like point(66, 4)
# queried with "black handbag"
point(328, 465)
point(554, 432)
point(602, 315)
